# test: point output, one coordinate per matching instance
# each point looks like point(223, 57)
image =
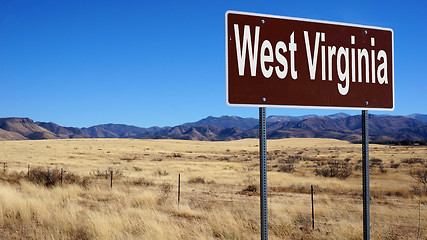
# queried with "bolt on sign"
point(275, 61)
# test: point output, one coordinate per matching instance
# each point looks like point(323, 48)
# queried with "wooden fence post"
point(179, 188)
point(312, 207)
point(111, 184)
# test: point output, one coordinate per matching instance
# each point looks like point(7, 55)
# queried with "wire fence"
point(327, 209)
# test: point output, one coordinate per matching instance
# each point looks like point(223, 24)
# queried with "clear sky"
point(162, 63)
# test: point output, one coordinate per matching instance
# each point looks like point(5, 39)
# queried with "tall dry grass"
point(143, 201)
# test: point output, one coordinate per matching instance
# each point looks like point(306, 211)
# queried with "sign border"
point(305, 20)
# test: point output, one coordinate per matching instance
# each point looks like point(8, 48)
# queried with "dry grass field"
point(219, 189)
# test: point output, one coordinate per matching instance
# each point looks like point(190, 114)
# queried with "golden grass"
point(143, 201)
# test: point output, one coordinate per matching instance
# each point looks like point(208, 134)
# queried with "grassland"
point(219, 184)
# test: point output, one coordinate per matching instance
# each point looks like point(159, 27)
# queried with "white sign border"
point(304, 20)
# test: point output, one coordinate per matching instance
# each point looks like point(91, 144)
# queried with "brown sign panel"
point(290, 62)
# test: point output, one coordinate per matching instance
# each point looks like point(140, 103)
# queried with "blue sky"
point(148, 63)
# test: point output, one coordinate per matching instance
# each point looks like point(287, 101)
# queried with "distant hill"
point(421, 117)
point(23, 128)
point(338, 126)
point(275, 118)
point(227, 122)
point(63, 132)
point(117, 131)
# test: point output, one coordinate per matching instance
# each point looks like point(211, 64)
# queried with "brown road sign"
point(274, 61)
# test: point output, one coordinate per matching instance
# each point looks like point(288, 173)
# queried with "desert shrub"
point(419, 190)
point(197, 180)
point(137, 169)
point(12, 177)
point(287, 168)
point(293, 188)
point(100, 173)
point(334, 168)
point(420, 175)
point(248, 168)
point(413, 161)
point(129, 158)
point(160, 173)
point(107, 173)
point(303, 221)
point(294, 158)
point(382, 170)
point(52, 177)
point(251, 188)
point(71, 178)
point(165, 189)
point(85, 182)
point(394, 165)
point(142, 182)
point(375, 161)
point(42, 177)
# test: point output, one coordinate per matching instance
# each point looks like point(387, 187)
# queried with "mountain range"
point(382, 128)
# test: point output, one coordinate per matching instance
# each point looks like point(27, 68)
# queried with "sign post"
point(276, 61)
point(263, 172)
point(365, 174)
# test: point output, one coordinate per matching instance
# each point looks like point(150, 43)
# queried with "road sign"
point(275, 61)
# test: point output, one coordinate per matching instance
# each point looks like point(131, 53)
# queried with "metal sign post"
point(365, 174)
point(263, 172)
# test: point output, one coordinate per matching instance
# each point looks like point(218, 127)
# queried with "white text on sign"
point(345, 58)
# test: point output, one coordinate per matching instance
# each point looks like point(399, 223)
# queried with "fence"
point(325, 213)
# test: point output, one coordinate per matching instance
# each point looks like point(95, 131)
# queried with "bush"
point(51, 177)
point(100, 173)
point(375, 161)
point(12, 177)
point(294, 159)
point(413, 161)
point(251, 188)
point(394, 165)
point(303, 221)
point(419, 190)
point(335, 168)
point(106, 173)
point(287, 168)
point(129, 158)
point(419, 175)
point(142, 182)
point(70, 178)
point(197, 180)
point(165, 189)
point(137, 169)
point(382, 170)
point(160, 173)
